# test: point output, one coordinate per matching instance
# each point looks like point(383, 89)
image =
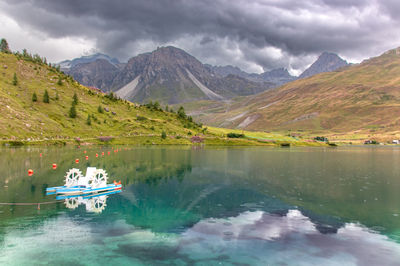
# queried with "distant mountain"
point(67, 64)
point(168, 74)
point(277, 76)
point(362, 98)
point(227, 70)
point(99, 73)
point(326, 62)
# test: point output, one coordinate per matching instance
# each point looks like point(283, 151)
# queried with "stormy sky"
point(256, 35)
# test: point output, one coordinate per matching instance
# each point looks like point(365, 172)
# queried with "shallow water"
point(205, 206)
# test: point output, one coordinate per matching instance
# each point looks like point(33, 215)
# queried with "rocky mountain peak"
point(326, 62)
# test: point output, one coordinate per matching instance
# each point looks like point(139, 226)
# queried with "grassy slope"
point(39, 122)
point(354, 103)
point(22, 119)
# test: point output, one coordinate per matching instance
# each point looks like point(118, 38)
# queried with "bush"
point(105, 138)
point(46, 98)
point(181, 112)
point(141, 118)
point(234, 135)
point(34, 97)
point(324, 139)
point(163, 135)
point(59, 82)
point(57, 97)
point(100, 109)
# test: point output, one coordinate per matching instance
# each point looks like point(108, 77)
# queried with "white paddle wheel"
point(98, 179)
point(97, 204)
point(71, 203)
point(72, 177)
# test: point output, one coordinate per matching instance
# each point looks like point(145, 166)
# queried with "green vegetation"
point(34, 97)
point(46, 98)
point(100, 109)
point(4, 46)
point(163, 135)
point(75, 99)
point(72, 111)
point(89, 120)
point(15, 80)
point(234, 135)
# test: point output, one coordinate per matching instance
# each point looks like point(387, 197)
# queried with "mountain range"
point(362, 98)
point(170, 75)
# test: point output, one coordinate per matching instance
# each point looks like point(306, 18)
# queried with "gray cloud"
point(255, 35)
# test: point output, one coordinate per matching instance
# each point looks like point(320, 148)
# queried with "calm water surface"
point(210, 206)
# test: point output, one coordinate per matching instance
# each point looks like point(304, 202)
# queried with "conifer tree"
point(88, 120)
point(46, 98)
point(34, 97)
point(15, 80)
point(4, 46)
point(72, 111)
point(75, 99)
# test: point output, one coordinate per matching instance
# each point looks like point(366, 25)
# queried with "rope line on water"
point(27, 203)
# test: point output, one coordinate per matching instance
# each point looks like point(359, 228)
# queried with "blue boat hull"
point(81, 190)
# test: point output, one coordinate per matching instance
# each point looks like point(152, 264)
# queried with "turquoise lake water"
point(204, 206)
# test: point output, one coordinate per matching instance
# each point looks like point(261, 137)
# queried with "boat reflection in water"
point(95, 202)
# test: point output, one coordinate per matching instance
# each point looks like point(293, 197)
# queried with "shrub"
point(196, 139)
point(34, 97)
point(59, 82)
point(163, 135)
point(105, 138)
point(141, 118)
point(100, 109)
point(57, 97)
point(234, 135)
point(321, 139)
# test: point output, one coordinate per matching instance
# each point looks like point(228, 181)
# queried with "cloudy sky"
point(255, 35)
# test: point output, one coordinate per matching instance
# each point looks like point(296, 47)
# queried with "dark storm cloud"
point(264, 33)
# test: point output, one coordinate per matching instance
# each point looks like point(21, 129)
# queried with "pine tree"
point(89, 120)
point(15, 80)
point(59, 82)
point(4, 46)
point(181, 112)
point(34, 97)
point(46, 98)
point(57, 97)
point(75, 99)
point(163, 135)
point(72, 111)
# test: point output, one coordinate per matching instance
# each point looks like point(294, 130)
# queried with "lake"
point(204, 206)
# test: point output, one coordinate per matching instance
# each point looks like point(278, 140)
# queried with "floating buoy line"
point(28, 203)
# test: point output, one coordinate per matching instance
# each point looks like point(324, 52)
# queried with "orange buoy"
point(40, 155)
point(102, 154)
point(97, 155)
point(87, 157)
point(108, 153)
point(76, 160)
point(54, 166)
point(30, 172)
point(84, 152)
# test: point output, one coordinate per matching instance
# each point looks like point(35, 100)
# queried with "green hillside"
point(100, 118)
point(97, 114)
point(356, 102)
